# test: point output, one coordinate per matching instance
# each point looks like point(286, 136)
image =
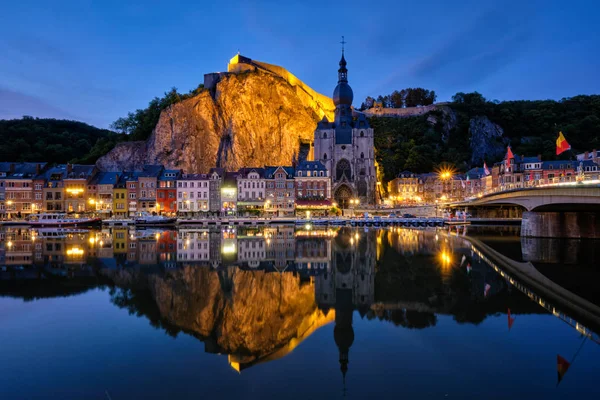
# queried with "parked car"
point(408, 216)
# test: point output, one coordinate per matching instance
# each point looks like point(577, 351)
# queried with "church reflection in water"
point(255, 294)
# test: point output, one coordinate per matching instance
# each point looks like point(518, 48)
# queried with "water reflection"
point(254, 294)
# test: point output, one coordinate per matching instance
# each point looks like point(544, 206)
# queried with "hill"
point(54, 140)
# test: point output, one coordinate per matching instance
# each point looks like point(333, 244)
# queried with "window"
point(362, 134)
point(300, 173)
point(132, 196)
point(38, 196)
point(362, 155)
point(324, 135)
point(38, 186)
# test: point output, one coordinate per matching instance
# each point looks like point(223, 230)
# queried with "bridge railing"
point(541, 183)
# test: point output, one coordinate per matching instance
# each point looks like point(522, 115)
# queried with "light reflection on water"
point(262, 295)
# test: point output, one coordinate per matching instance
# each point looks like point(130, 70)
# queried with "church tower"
point(346, 148)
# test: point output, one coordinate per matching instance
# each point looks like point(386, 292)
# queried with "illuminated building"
point(345, 146)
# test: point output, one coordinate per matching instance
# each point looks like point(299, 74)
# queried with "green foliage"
point(532, 126)
point(406, 144)
point(53, 140)
point(410, 97)
point(140, 124)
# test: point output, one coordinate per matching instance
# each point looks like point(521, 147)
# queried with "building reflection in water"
point(255, 293)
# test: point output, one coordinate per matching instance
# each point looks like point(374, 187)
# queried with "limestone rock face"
point(247, 314)
point(487, 139)
point(252, 119)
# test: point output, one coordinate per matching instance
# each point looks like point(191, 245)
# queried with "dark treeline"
point(54, 140)
point(411, 97)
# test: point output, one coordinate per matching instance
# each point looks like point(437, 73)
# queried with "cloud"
point(16, 104)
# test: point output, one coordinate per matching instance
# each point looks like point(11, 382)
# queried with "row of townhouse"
point(27, 188)
point(513, 172)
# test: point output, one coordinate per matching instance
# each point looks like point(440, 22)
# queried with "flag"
point(486, 290)
point(561, 144)
point(469, 268)
point(462, 182)
point(462, 261)
point(511, 320)
point(562, 366)
point(486, 171)
point(509, 154)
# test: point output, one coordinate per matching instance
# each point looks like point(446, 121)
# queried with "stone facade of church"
point(346, 148)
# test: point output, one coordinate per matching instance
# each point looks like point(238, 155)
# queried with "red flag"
point(509, 154)
point(562, 366)
point(486, 171)
point(561, 144)
point(511, 320)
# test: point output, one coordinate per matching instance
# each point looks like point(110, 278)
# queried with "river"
point(293, 312)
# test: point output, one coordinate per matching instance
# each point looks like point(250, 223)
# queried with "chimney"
point(38, 169)
point(539, 157)
point(69, 168)
point(12, 168)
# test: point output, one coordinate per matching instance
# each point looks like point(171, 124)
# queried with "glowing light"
point(92, 240)
point(446, 258)
point(9, 244)
point(92, 201)
point(9, 202)
point(356, 236)
point(157, 236)
point(75, 251)
point(228, 248)
point(74, 190)
point(307, 227)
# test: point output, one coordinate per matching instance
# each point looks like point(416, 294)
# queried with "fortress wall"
point(400, 112)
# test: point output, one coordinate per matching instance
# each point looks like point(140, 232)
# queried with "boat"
point(144, 218)
point(61, 219)
point(54, 233)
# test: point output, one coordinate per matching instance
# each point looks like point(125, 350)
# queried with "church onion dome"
point(343, 95)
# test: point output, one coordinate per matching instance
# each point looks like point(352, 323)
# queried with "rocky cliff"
point(487, 140)
point(250, 315)
point(250, 119)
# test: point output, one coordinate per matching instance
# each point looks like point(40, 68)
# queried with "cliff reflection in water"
point(256, 293)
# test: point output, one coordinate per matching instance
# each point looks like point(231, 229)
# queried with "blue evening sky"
point(96, 60)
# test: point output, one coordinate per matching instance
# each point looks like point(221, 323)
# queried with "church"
point(345, 146)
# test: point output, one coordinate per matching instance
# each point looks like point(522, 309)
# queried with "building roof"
point(243, 172)
point(192, 177)
point(150, 171)
point(166, 174)
point(475, 173)
point(311, 166)
point(106, 178)
point(79, 171)
point(559, 164)
point(24, 170)
point(270, 171)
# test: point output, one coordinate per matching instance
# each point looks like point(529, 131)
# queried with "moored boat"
point(144, 218)
point(61, 219)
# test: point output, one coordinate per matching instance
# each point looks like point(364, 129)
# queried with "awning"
point(313, 204)
point(250, 203)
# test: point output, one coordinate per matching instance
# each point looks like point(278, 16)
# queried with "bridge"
point(563, 210)
point(572, 197)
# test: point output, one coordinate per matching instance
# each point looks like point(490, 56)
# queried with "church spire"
point(343, 72)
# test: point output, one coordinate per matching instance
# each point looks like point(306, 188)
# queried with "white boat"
point(60, 220)
point(53, 233)
point(144, 218)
